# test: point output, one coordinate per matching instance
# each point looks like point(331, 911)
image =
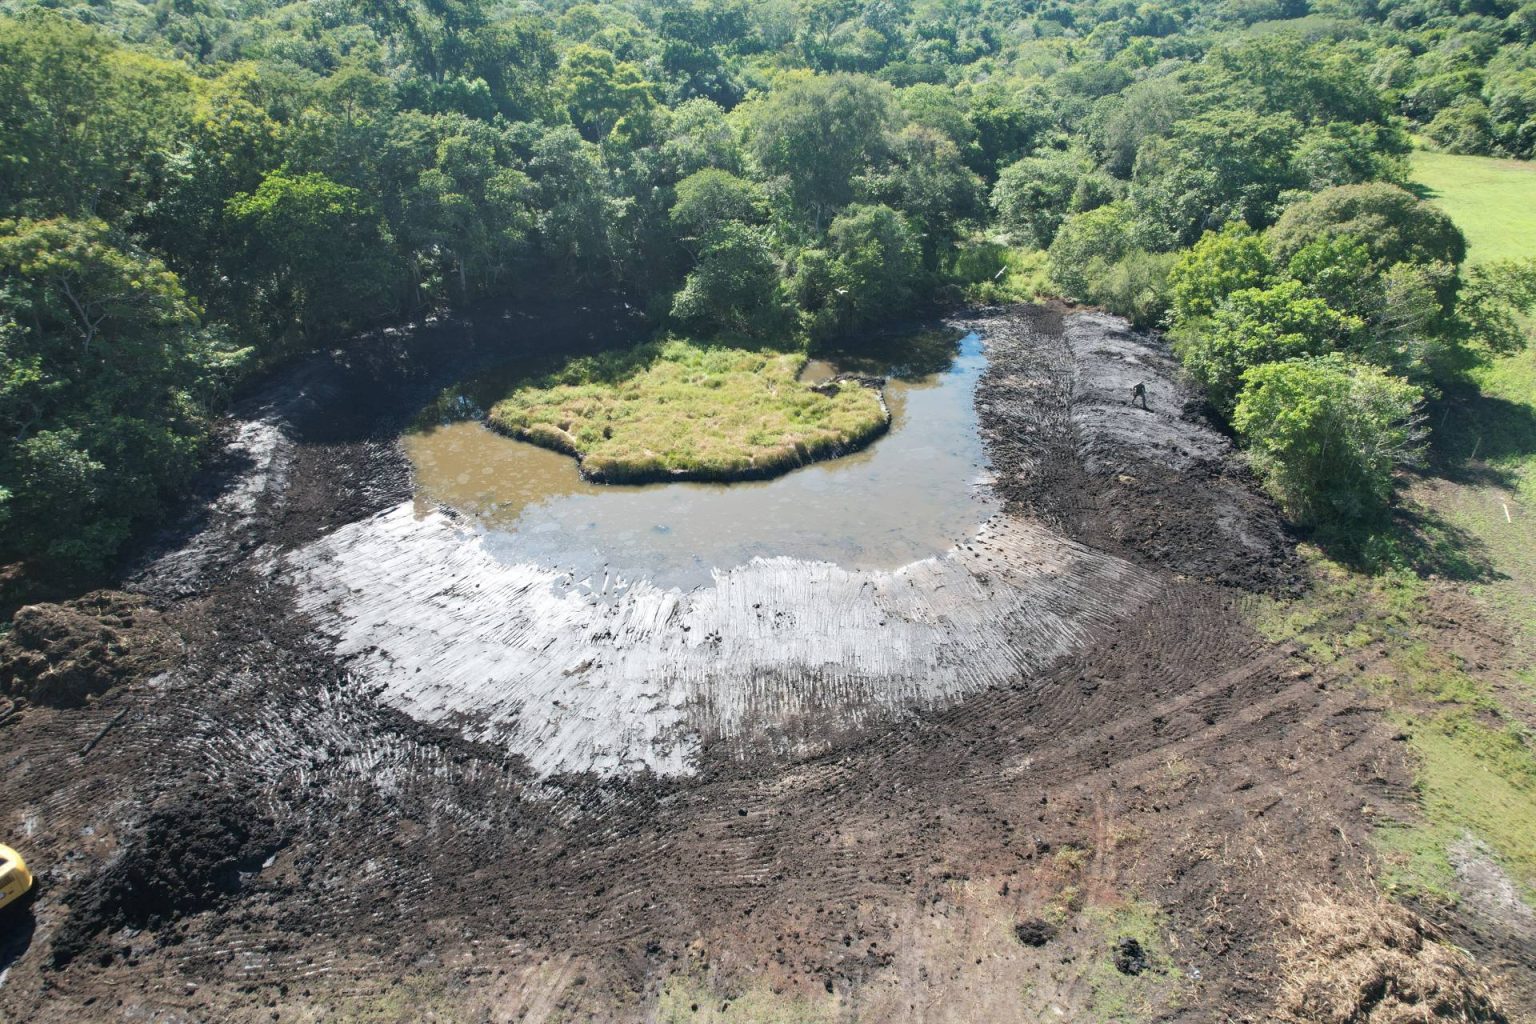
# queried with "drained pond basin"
point(915, 492)
point(640, 629)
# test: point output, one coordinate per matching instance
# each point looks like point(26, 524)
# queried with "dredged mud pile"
point(1067, 722)
point(64, 654)
point(1073, 449)
point(188, 856)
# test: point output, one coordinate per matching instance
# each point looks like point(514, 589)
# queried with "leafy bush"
point(711, 197)
point(1221, 263)
point(1326, 434)
point(734, 285)
point(1135, 286)
point(105, 375)
point(1462, 127)
point(1033, 195)
point(1102, 234)
point(991, 273)
point(1495, 305)
point(1256, 326)
point(871, 269)
point(1393, 224)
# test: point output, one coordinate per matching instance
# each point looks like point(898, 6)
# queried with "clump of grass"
point(673, 410)
point(1123, 998)
point(1475, 777)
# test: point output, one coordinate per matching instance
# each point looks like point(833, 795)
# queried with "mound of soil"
point(1035, 932)
point(1072, 446)
point(190, 856)
point(1376, 963)
point(61, 655)
point(1130, 957)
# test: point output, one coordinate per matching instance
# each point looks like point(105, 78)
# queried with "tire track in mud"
point(777, 655)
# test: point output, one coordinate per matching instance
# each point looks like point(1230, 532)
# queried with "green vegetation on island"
point(673, 410)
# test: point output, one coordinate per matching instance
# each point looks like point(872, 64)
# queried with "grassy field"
point(1466, 720)
point(674, 410)
point(1492, 201)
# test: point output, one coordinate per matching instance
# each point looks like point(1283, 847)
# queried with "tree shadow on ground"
point(1477, 440)
point(903, 353)
point(1475, 437)
point(1414, 537)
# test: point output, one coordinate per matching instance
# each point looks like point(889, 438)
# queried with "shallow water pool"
point(915, 492)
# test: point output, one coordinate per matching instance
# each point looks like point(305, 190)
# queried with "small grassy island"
point(673, 410)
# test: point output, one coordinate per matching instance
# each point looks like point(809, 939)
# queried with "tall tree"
point(819, 133)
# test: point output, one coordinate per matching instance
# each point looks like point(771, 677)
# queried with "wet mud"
point(191, 855)
point(858, 800)
point(1073, 448)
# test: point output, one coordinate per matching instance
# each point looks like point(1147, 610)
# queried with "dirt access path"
point(1112, 826)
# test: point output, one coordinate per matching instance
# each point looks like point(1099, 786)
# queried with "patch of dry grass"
point(679, 411)
point(1372, 962)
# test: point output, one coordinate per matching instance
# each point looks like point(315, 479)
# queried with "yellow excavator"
point(15, 879)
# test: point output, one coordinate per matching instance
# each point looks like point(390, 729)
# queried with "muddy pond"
point(913, 493)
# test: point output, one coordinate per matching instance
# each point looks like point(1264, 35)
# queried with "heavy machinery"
point(15, 879)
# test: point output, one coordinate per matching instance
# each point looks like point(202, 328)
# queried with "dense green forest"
point(194, 190)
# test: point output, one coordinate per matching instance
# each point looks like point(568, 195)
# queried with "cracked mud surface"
point(1091, 731)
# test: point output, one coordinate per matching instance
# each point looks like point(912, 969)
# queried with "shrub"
point(712, 197)
point(1326, 434)
point(1134, 286)
point(1495, 304)
point(1256, 326)
point(1034, 194)
point(1393, 225)
point(991, 273)
point(1221, 263)
point(1103, 234)
point(1462, 127)
point(734, 285)
point(871, 270)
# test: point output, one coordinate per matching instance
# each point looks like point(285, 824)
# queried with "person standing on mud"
point(1139, 394)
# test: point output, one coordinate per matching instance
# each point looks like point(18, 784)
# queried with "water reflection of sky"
point(913, 493)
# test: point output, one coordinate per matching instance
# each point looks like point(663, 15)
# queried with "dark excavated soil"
point(189, 856)
point(1181, 763)
point(1158, 485)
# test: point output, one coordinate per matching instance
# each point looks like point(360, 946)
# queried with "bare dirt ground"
point(1117, 832)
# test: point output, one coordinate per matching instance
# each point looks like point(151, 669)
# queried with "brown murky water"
point(915, 492)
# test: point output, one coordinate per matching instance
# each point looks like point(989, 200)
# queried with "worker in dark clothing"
point(1139, 394)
